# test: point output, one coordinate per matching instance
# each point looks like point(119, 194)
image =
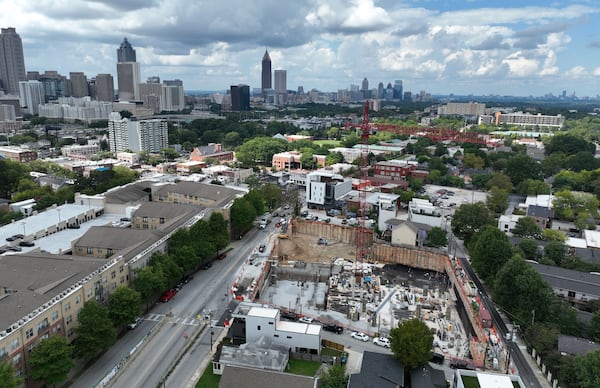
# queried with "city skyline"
point(475, 47)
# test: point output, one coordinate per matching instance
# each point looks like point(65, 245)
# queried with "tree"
point(533, 187)
point(7, 375)
point(595, 327)
point(51, 360)
point(411, 343)
point(334, 377)
point(436, 237)
point(242, 216)
point(529, 248)
point(568, 144)
point(259, 150)
point(253, 182)
point(148, 283)
point(582, 371)
point(124, 305)
point(271, 195)
point(520, 290)
point(333, 158)
point(125, 114)
point(569, 205)
point(526, 227)
point(169, 153)
point(470, 219)
point(556, 252)
point(95, 332)
point(219, 236)
point(489, 251)
point(473, 161)
point(521, 167)
point(497, 201)
point(501, 181)
point(554, 235)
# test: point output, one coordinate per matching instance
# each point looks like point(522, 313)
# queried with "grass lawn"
point(208, 379)
point(303, 367)
point(334, 143)
point(331, 352)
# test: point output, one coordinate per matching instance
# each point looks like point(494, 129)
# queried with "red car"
point(222, 256)
point(167, 296)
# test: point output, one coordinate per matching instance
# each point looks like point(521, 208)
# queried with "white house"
point(422, 211)
point(299, 337)
point(506, 223)
point(410, 233)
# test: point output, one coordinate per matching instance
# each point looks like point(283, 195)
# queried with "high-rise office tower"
point(266, 73)
point(128, 72)
point(240, 97)
point(280, 87)
point(79, 84)
point(380, 90)
point(129, 77)
point(365, 84)
point(105, 87)
point(125, 53)
point(12, 62)
point(398, 89)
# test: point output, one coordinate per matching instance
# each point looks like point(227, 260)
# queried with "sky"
point(480, 47)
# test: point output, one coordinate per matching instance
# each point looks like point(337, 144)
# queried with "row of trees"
point(245, 210)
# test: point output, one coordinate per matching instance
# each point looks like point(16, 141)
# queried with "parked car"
point(167, 296)
point(344, 358)
point(222, 256)
point(26, 244)
point(461, 364)
point(73, 226)
point(14, 237)
point(333, 328)
point(289, 315)
point(359, 336)
point(437, 358)
point(186, 279)
point(13, 248)
point(206, 265)
point(382, 341)
point(306, 320)
point(135, 323)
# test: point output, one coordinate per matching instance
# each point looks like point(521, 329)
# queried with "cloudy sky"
point(527, 47)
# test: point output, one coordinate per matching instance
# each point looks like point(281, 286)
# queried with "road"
point(174, 324)
point(528, 376)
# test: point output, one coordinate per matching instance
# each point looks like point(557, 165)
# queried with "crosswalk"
point(188, 321)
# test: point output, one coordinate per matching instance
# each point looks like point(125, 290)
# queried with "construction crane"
point(366, 130)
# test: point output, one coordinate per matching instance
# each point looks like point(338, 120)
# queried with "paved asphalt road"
point(174, 324)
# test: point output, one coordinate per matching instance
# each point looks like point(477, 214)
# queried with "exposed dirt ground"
point(304, 247)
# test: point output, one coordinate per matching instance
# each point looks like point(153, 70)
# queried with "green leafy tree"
point(533, 187)
point(8, 377)
point(411, 343)
point(272, 195)
point(253, 182)
point(124, 305)
point(258, 202)
point(242, 216)
point(220, 233)
point(497, 201)
point(595, 327)
point(333, 158)
point(473, 161)
point(480, 180)
point(526, 227)
point(259, 150)
point(501, 181)
point(148, 283)
point(169, 153)
point(567, 144)
point(521, 167)
point(529, 248)
point(51, 360)
point(95, 332)
point(470, 219)
point(556, 252)
point(489, 251)
point(554, 235)
point(520, 290)
point(582, 371)
point(334, 377)
point(569, 205)
point(436, 237)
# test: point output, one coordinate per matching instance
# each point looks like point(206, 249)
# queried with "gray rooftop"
point(134, 192)
point(220, 194)
point(237, 377)
point(261, 355)
point(540, 211)
point(37, 278)
point(575, 345)
point(115, 238)
point(165, 209)
point(570, 280)
point(378, 370)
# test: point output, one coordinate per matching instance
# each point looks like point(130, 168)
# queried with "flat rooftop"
point(263, 312)
point(35, 278)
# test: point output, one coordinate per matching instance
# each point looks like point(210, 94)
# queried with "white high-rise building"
point(31, 95)
point(280, 87)
point(144, 135)
point(173, 98)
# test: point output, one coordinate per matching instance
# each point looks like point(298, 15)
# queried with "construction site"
point(317, 276)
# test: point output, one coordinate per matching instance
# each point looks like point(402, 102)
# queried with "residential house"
point(574, 286)
point(542, 215)
point(236, 377)
point(410, 233)
point(212, 151)
point(507, 222)
point(378, 370)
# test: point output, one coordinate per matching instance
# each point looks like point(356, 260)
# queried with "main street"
point(173, 324)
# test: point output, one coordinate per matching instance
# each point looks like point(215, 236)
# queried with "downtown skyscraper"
point(12, 62)
point(266, 78)
point(128, 72)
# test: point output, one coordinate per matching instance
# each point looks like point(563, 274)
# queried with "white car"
point(382, 341)
point(135, 323)
point(306, 320)
point(359, 336)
